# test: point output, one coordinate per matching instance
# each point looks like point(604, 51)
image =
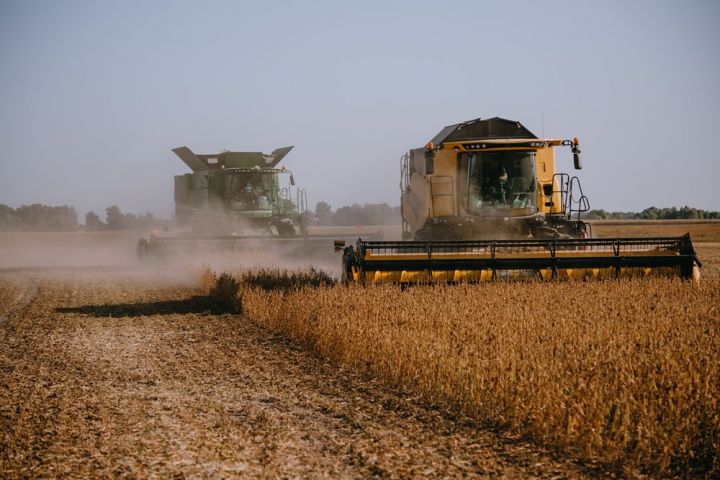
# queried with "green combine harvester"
point(236, 202)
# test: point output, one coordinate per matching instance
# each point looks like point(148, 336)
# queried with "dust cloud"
point(116, 250)
point(67, 249)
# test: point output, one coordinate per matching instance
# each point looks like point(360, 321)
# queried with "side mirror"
point(292, 180)
point(547, 189)
point(576, 157)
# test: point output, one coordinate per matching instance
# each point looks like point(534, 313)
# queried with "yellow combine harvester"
point(483, 200)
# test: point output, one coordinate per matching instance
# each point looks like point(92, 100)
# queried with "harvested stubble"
point(621, 371)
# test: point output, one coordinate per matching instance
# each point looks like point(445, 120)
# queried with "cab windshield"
point(254, 190)
point(497, 180)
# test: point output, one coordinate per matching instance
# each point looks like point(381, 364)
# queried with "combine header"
point(483, 201)
point(487, 260)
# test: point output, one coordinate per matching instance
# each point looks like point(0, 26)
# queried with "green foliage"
point(93, 222)
point(355, 214)
point(324, 213)
point(45, 218)
point(7, 218)
point(116, 220)
point(37, 217)
point(654, 213)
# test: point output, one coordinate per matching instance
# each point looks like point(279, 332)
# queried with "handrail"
point(579, 205)
point(404, 172)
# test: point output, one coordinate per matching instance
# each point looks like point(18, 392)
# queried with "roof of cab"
point(478, 129)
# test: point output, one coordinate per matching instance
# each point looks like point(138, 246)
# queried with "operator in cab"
point(497, 189)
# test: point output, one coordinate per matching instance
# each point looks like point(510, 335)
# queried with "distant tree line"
point(383, 214)
point(654, 213)
point(45, 218)
point(116, 220)
point(355, 214)
point(37, 217)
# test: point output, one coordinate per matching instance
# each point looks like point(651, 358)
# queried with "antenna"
point(542, 122)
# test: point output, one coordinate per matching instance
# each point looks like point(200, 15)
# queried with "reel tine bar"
point(531, 255)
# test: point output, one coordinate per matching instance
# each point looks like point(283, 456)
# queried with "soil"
point(119, 371)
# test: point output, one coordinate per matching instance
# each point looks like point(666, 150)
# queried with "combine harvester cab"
point(483, 201)
point(236, 202)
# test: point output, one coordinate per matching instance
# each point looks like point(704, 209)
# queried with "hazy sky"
point(94, 94)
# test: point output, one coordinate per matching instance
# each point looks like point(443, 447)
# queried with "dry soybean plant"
point(223, 291)
point(624, 372)
point(285, 280)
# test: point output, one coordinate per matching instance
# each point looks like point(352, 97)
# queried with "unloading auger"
point(483, 201)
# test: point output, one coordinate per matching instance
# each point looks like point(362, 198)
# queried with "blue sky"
point(94, 94)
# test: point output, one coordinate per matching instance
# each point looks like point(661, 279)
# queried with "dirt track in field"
point(118, 372)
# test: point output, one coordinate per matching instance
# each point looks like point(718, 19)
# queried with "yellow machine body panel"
point(442, 186)
point(545, 172)
point(476, 276)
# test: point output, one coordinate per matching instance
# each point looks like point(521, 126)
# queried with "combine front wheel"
point(142, 249)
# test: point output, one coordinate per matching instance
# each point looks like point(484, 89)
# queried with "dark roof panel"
point(491, 128)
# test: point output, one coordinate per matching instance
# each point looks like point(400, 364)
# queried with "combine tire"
point(142, 249)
